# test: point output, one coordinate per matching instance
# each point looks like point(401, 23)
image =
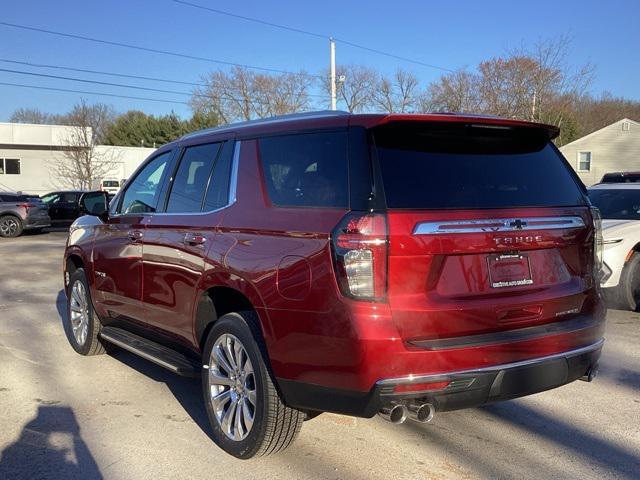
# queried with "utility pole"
point(332, 50)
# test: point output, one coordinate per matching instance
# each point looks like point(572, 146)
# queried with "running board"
point(152, 351)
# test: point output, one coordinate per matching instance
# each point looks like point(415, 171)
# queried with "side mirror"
point(94, 203)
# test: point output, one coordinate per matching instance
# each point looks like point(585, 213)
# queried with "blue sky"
point(448, 34)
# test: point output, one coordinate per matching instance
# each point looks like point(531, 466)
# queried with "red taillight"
point(360, 249)
point(27, 206)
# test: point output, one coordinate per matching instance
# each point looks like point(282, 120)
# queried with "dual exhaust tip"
point(399, 412)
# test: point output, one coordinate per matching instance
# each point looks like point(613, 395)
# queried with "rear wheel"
point(10, 226)
point(82, 326)
point(627, 293)
point(247, 416)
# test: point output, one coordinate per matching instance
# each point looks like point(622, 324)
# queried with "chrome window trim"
point(494, 368)
point(230, 200)
point(233, 183)
point(491, 225)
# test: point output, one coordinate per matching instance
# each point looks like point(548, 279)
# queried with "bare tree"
point(397, 94)
point(356, 91)
point(529, 83)
point(82, 165)
point(243, 94)
point(453, 92)
point(31, 115)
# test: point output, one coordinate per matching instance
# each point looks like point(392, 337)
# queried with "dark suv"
point(359, 264)
point(64, 206)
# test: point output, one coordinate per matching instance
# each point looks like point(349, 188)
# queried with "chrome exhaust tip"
point(421, 412)
point(394, 412)
point(591, 374)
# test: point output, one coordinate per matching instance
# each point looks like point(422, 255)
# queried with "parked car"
point(619, 204)
point(620, 177)
point(110, 186)
point(358, 264)
point(20, 212)
point(64, 206)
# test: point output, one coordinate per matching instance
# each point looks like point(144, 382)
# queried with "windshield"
point(617, 203)
point(52, 197)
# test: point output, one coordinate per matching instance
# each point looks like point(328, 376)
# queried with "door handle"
point(194, 239)
point(135, 235)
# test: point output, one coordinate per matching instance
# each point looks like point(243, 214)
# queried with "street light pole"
point(332, 50)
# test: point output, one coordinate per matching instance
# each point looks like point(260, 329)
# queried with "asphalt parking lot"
point(119, 417)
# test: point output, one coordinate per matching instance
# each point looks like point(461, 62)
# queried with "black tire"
point(91, 345)
point(626, 295)
point(10, 226)
point(275, 425)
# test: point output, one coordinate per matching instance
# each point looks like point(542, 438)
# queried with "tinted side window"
point(142, 193)
point(191, 178)
point(307, 169)
point(218, 190)
point(70, 197)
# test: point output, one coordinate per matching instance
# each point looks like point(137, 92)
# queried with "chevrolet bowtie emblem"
point(518, 224)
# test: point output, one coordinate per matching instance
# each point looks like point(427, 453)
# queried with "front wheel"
point(10, 226)
point(247, 416)
point(626, 296)
point(82, 325)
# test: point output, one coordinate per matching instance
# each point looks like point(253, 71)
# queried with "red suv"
point(359, 264)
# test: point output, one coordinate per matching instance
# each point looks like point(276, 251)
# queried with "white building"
point(614, 148)
point(28, 153)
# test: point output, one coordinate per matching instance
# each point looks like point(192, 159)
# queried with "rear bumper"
point(456, 390)
point(37, 222)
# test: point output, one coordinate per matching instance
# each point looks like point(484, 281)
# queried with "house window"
point(626, 126)
point(584, 161)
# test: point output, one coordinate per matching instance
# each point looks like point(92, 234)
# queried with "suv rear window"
point(306, 169)
point(468, 166)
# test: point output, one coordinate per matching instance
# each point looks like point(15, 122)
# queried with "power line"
point(122, 75)
point(393, 55)
point(312, 34)
point(254, 20)
point(135, 87)
point(100, 72)
point(96, 82)
point(144, 49)
point(37, 87)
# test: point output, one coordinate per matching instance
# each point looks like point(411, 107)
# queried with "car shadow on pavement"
point(49, 446)
point(185, 390)
point(615, 458)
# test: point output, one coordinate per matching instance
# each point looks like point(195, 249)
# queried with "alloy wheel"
point(232, 387)
point(79, 312)
point(8, 226)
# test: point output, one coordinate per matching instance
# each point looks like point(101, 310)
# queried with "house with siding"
point(614, 148)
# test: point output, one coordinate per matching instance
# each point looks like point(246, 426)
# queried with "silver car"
point(21, 212)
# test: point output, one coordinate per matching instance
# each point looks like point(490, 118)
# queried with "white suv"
point(619, 205)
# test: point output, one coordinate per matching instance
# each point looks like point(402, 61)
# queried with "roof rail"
point(266, 121)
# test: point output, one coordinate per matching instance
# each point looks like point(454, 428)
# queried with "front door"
point(118, 246)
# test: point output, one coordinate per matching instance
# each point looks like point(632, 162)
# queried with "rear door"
point(176, 240)
point(488, 229)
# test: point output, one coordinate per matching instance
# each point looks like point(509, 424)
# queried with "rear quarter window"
point(306, 170)
point(460, 167)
